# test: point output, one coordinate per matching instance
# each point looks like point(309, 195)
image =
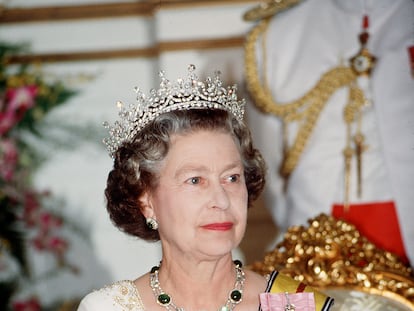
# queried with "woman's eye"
point(194, 180)
point(234, 178)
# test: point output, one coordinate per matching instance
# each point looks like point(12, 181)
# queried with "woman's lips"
point(219, 226)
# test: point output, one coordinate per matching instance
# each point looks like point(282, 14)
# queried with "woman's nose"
point(219, 196)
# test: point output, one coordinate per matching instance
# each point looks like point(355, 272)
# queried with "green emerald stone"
point(164, 299)
point(236, 295)
point(224, 308)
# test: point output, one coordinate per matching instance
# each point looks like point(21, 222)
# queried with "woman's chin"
point(218, 249)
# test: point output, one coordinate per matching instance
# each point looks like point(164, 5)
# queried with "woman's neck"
point(198, 285)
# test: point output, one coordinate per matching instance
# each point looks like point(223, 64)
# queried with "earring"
point(152, 223)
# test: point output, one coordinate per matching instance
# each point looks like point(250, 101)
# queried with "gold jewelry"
point(268, 9)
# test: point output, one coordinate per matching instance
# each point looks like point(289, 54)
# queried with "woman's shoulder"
point(255, 278)
point(121, 295)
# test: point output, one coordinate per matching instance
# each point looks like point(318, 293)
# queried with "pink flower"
point(31, 208)
point(47, 221)
point(8, 159)
point(53, 244)
point(17, 102)
point(32, 304)
point(39, 242)
point(57, 245)
point(21, 97)
point(7, 121)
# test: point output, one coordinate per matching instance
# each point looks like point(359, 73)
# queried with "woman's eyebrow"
point(190, 168)
point(200, 168)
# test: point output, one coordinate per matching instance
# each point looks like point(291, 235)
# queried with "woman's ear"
point(146, 207)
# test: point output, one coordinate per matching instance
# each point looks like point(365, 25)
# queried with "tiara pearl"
point(184, 94)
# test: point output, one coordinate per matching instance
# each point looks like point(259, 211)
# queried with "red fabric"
point(301, 287)
point(365, 22)
point(411, 55)
point(378, 222)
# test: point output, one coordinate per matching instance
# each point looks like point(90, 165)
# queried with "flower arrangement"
point(26, 224)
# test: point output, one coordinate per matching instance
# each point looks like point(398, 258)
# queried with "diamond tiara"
point(184, 94)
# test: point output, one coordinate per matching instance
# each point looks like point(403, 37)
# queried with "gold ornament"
point(332, 253)
point(268, 9)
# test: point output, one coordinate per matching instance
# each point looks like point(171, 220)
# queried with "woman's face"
point(201, 200)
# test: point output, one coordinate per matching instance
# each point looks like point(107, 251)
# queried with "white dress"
point(124, 295)
point(119, 296)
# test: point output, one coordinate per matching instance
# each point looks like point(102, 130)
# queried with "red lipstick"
point(218, 226)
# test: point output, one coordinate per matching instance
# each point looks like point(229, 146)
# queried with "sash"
point(279, 283)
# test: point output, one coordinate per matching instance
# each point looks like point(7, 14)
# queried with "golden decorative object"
point(363, 62)
point(332, 254)
point(269, 8)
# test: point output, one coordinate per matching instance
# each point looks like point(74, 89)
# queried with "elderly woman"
point(185, 172)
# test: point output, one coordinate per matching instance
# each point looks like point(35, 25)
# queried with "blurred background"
point(317, 74)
